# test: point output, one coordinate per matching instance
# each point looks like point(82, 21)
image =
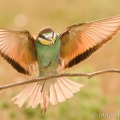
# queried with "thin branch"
point(89, 75)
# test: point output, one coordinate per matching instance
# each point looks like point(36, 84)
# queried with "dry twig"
point(89, 75)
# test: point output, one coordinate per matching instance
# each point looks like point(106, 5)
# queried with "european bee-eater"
point(50, 53)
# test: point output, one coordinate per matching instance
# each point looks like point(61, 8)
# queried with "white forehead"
point(50, 34)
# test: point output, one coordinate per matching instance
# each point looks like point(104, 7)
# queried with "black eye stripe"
point(43, 37)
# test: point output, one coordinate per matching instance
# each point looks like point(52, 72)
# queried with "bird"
point(51, 53)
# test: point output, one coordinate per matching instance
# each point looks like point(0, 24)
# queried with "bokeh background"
point(100, 98)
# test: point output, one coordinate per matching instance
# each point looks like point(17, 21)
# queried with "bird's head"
point(47, 36)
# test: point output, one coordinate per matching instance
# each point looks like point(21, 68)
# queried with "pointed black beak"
point(50, 39)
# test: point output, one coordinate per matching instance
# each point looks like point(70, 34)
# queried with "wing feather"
point(18, 48)
point(79, 41)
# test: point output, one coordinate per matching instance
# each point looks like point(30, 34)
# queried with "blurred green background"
point(100, 96)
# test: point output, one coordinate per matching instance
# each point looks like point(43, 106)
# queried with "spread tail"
point(43, 92)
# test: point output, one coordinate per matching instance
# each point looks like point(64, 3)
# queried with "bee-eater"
point(51, 53)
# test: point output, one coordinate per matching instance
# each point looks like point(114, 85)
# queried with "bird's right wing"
point(18, 48)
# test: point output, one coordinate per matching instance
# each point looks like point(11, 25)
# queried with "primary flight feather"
point(50, 52)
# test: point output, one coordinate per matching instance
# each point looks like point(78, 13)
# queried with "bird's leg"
point(45, 68)
point(43, 86)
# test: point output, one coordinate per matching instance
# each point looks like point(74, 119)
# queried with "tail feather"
point(53, 94)
point(59, 92)
point(32, 96)
point(23, 95)
point(36, 101)
point(54, 91)
point(65, 89)
point(70, 85)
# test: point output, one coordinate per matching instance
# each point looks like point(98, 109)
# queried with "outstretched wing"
point(79, 41)
point(18, 48)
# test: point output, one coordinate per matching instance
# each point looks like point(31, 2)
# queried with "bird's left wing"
point(18, 48)
point(79, 41)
